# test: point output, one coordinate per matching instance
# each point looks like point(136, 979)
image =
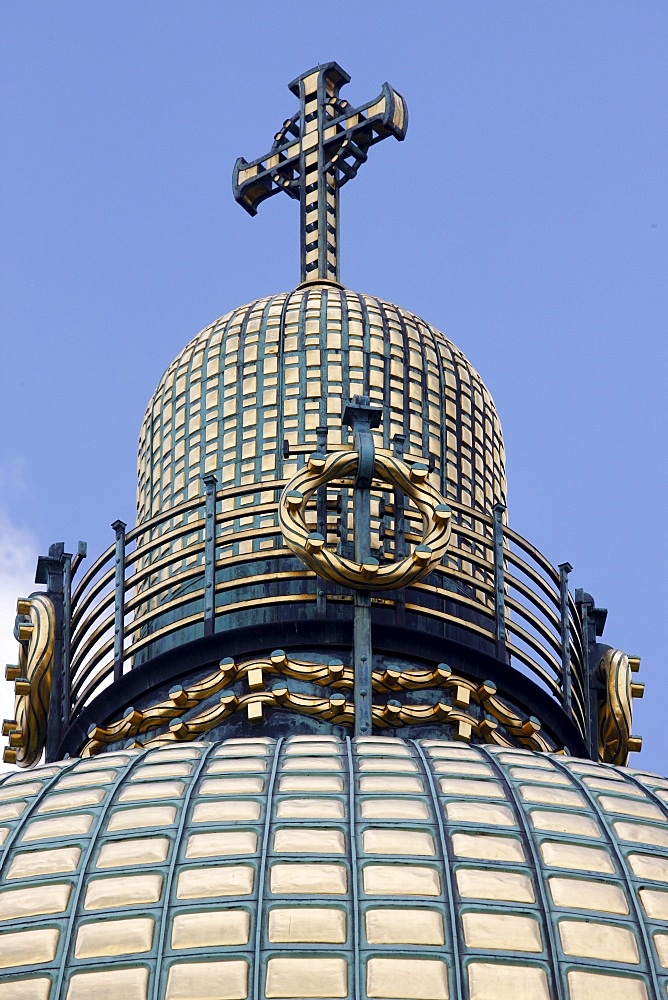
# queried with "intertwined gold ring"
point(310, 546)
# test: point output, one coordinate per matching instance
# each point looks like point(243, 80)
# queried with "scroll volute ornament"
point(615, 712)
point(311, 547)
point(36, 633)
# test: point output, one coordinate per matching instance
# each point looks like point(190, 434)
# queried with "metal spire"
point(314, 154)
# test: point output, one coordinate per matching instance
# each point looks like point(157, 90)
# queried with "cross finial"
point(314, 154)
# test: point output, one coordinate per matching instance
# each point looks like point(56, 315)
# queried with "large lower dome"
point(321, 867)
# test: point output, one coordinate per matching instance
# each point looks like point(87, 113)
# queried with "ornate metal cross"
point(314, 154)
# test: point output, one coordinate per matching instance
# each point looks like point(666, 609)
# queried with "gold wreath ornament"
point(310, 546)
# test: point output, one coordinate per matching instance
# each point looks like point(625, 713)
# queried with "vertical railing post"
point(210, 483)
point(67, 625)
point(50, 570)
point(398, 442)
point(361, 417)
point(499, 582)
point(564, 569)
point(321, 524)
point(119, 598)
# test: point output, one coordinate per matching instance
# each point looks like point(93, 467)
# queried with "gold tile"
point(307, 977)
point(232, 786)
point(587, 939)
point(655, 903)
point(102, 761)
point(564, 822)
point(150, 772)
point(319, 808)
point(30, 947)
point(52, 897)
point(393, 765)
point(416, 809)
point(207, 981)
point(76, 825)
point(408, 978)
point(307, 925)
point(491, 980)
point(489, 813)
point(32, 863)
point(170, 754)
point(211, 929)
point(72, 800)
point(393, 783)
point(300, 840)
point(20, 791)
point(304, 877)
point(221, 843)
point(152, 790)
point(226, 811)
point(450, 751)
point(642, 833)
point(618, 786)
point(129, 983)
point(215, 880)
point(525, 760)
point(123, 890)
point(26, 989)
point(12, 810)
point(244, 748)
point(401, 880)
point(122, 853)
point(312, 764)
point(501, 932)
point(134, 819)
point(561, 855)
point(661, 945)
point(630, 807)
point(88, 778)
point(237, 764)
point(487, 847)
point(310, 783)
point(463, 767)
point(312, 747)
point(585, 894)
point(114, 937)
point(404, 926)
point(590, 985)
point(552, 796)
point(394, 841)
point(649, 866)
point(466, 786)
point(550, 777)
point(489, 883)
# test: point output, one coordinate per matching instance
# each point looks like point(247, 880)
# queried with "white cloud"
point(18, 558)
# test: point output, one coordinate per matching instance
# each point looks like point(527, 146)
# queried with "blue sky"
point(525, 215)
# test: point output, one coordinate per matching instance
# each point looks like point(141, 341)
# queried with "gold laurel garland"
point(615, 714)
point(311, 547)
point(33, 679)
point(335, 708)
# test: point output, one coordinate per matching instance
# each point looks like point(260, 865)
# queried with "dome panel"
point(246, 869)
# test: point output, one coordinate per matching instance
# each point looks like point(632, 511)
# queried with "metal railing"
point(191, 569)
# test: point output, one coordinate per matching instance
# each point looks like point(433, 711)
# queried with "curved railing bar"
point(535, 554)
point(543, 585)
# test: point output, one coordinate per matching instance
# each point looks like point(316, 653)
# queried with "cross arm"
point(253, 183)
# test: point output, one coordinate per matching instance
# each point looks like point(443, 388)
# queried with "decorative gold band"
point(173, 716)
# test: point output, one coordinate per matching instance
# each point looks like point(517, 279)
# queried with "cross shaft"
point(314, 154)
